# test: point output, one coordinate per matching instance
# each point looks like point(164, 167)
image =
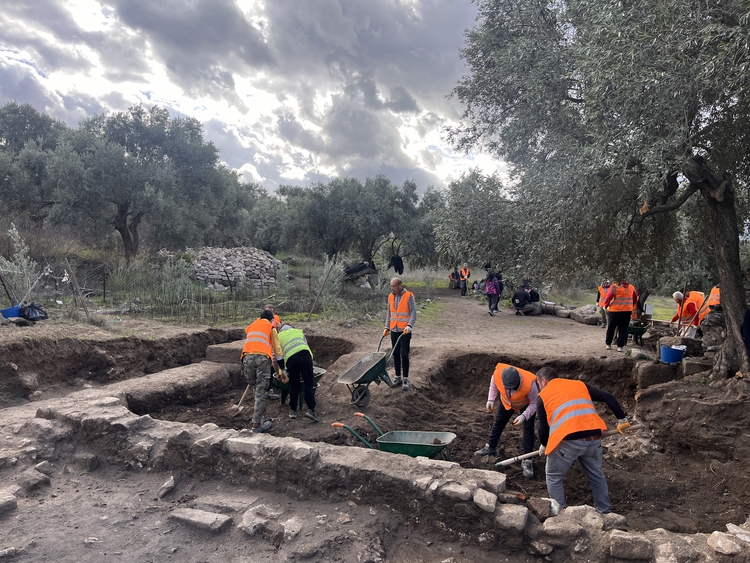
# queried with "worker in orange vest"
point(686, 318)
point(570, 429)
point(261, 346)
point(620, 301)
point(518, 391)
point(600, 297)
point(402, 314)
point(714, 300)
point(465, 275)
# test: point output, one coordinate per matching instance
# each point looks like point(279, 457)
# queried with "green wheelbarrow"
point(411, 443)
point(286, 387)
point(370, 368)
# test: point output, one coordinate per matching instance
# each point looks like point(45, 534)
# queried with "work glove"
point(386, 331)
point(407, 330)
point(519, 419)
point(542, 450)
point(622, 425)
point(490, 406)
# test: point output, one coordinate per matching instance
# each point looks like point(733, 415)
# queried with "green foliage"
point(20, 270)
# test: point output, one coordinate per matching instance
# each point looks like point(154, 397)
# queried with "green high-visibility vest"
point(292, 340)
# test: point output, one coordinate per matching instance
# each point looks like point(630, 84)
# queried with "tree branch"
point(689, 190)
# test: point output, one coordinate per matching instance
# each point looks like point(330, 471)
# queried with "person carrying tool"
point(518, 391)
point(620, 302)
point(686, 318)
point(570, 429)
point(465, 275)
point(399, 322)
point(261, 345)
point(298, 363)
point(600, 297)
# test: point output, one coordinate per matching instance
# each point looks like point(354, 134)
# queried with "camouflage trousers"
point(257, 370)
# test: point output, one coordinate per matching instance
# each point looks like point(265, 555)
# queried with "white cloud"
point(289, 91)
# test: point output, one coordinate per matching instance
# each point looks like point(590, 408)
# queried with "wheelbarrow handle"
point(390, 356)
point(353, 432)
point(368, 419)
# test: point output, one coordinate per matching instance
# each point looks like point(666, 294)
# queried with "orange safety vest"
point(602, 295)
point(276, 322)
point(623, 301)
point(696, 299)
point(465, 274)
point(520, 399)
point(714, 299)
point(258, 339)
point(569, 409)
point(400, 316)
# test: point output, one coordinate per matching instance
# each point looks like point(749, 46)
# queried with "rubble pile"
point(243, 265)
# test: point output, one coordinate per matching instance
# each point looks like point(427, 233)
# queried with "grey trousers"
point(589, 454)
point(257, 370)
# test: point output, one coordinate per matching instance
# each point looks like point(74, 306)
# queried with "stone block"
point(248, 446)
point(739, 533)
point(292, 528)
point(485, 500)
point(209, 521)
point(691, 366)
point(492, 481)
point(724, 543)
point(8, 502)
point(44, 467)
point(562, 312)
point(86, 461)
point(166, 487)
point(540, 507)
point(227, 353)
point(511, 517)
point(31, 479)
point(613, 521)
point(652, 373)
point(224, 504)
point(561, 531)
point(262, 520)
point(455, 491)
point(624, 545)
point(586, 516)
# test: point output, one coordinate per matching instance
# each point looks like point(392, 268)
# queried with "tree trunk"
point(719, 194)
point(127, 225)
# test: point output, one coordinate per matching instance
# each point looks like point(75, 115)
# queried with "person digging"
point(518, 391)
point(297, 363)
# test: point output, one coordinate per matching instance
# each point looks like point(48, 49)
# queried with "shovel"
point(237, 409)
point(512, 460)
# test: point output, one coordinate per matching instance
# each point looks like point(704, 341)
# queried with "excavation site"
point(132, 444)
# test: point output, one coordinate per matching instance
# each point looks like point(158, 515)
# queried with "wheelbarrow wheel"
point(361, 395)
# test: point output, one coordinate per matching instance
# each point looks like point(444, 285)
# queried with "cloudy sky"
point(290, 91)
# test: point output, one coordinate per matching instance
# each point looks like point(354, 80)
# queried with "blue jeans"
point(589, 454)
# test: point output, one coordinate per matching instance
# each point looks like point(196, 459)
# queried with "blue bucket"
point(671, 355)
point(11, 312)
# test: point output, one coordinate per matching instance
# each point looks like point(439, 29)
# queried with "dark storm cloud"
point(18, 84)
point(200, 42)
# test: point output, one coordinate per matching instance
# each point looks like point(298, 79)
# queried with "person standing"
point(518, 392)
point(465, 275)
point(492, 291)
point(620, 301)
point(601, 295)
point(261, 345)
point(399, 322)
point(298, 363)
point(570, 429)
